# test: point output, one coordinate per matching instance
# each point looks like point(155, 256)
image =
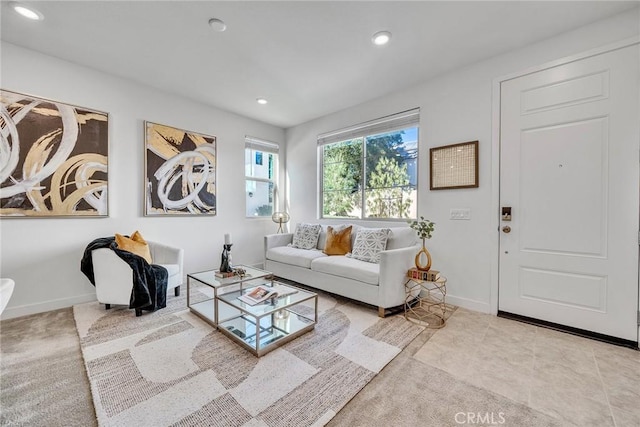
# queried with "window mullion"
point(363, 183)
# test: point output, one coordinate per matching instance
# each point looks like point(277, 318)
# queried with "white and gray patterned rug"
point(170, 368)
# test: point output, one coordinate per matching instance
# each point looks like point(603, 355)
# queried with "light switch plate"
point(460, 214)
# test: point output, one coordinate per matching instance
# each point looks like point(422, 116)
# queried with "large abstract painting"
point(53, 158)
point(180, 172)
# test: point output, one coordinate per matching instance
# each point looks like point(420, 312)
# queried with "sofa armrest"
point(394, 264)
point(275, 240)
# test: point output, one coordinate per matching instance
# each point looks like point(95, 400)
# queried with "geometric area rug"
point(169, 368)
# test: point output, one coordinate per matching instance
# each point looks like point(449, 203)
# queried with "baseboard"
point(41, 307)
point(482, 307)
point(571, 330)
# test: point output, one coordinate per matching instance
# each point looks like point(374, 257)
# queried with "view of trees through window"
point(372, 176)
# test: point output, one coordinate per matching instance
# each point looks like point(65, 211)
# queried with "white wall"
point(43, 255)
point(456, 107)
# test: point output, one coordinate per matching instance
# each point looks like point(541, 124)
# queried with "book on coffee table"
point(263, 293)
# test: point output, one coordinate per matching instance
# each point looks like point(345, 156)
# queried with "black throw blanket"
point(149, 280)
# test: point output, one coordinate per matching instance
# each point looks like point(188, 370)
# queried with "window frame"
point(388, 124)
point(266, 148)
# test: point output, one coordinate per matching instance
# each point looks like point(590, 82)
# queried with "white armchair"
point(6, 289)
point(114, 277)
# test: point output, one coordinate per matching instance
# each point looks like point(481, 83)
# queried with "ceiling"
point(307, 58)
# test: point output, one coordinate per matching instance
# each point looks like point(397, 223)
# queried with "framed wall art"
point(454, 166)
point(180, 169)
point(53, 158)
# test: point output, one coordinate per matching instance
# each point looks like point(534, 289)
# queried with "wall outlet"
point(460, 213)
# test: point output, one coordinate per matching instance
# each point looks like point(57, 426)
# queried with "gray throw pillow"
point(369, 243)
point(306, 236)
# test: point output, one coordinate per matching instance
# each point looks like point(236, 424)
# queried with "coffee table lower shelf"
point(266, 334)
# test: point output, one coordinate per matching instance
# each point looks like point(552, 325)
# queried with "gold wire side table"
point(425, 301)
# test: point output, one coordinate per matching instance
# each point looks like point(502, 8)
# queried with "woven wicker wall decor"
point(454, 166)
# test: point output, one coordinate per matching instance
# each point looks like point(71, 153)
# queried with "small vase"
point(419, 265)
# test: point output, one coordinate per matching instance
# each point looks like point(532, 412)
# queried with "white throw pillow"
point(306, 236)
point(369, 243)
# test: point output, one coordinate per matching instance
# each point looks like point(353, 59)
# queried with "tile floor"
point(576, 380)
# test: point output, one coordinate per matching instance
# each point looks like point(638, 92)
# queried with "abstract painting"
point(53, 158)
point(180, 172)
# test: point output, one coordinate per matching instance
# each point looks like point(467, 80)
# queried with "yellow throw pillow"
point(134, 244)
point(338, 242)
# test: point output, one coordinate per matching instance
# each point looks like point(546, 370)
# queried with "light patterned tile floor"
point(579, 381)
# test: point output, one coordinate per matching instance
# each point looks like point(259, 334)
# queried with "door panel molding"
point(578, 90)
point(592, 297)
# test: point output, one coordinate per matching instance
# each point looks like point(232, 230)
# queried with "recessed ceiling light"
point(381, 38)
point(261, 101)
point(27, 12)
point(217, 24)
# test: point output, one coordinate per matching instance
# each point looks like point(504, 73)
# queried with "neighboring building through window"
point(260, 177)
point(370, 170)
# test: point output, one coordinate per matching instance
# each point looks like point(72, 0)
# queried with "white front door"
point(569, 170)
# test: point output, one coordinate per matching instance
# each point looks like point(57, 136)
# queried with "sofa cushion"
point(134, 244)
point(172, 269)
point(348, 267)
point(369, 243)
point(402, 237)
point(322, 239)
point(338, 241)
point(294, 256)
point(306, 236)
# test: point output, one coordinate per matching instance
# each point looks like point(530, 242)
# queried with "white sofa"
point(381, 285)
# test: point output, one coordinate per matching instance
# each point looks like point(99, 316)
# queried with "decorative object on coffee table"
point(423, 228)
point(225, 262)
point(280, 218)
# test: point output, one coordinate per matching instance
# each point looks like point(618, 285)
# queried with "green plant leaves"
point(424, 228)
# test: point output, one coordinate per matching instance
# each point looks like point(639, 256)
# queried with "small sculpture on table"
point(225, 261)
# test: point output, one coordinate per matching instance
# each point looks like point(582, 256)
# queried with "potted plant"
point(424, 228)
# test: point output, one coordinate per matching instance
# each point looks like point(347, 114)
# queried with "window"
point(370, 170)
point(260, 177)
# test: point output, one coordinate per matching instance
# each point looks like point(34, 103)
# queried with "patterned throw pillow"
point(306, 236)
point(369, 243)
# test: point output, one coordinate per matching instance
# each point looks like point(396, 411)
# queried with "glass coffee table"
point(259, 328)
point(203, 300)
